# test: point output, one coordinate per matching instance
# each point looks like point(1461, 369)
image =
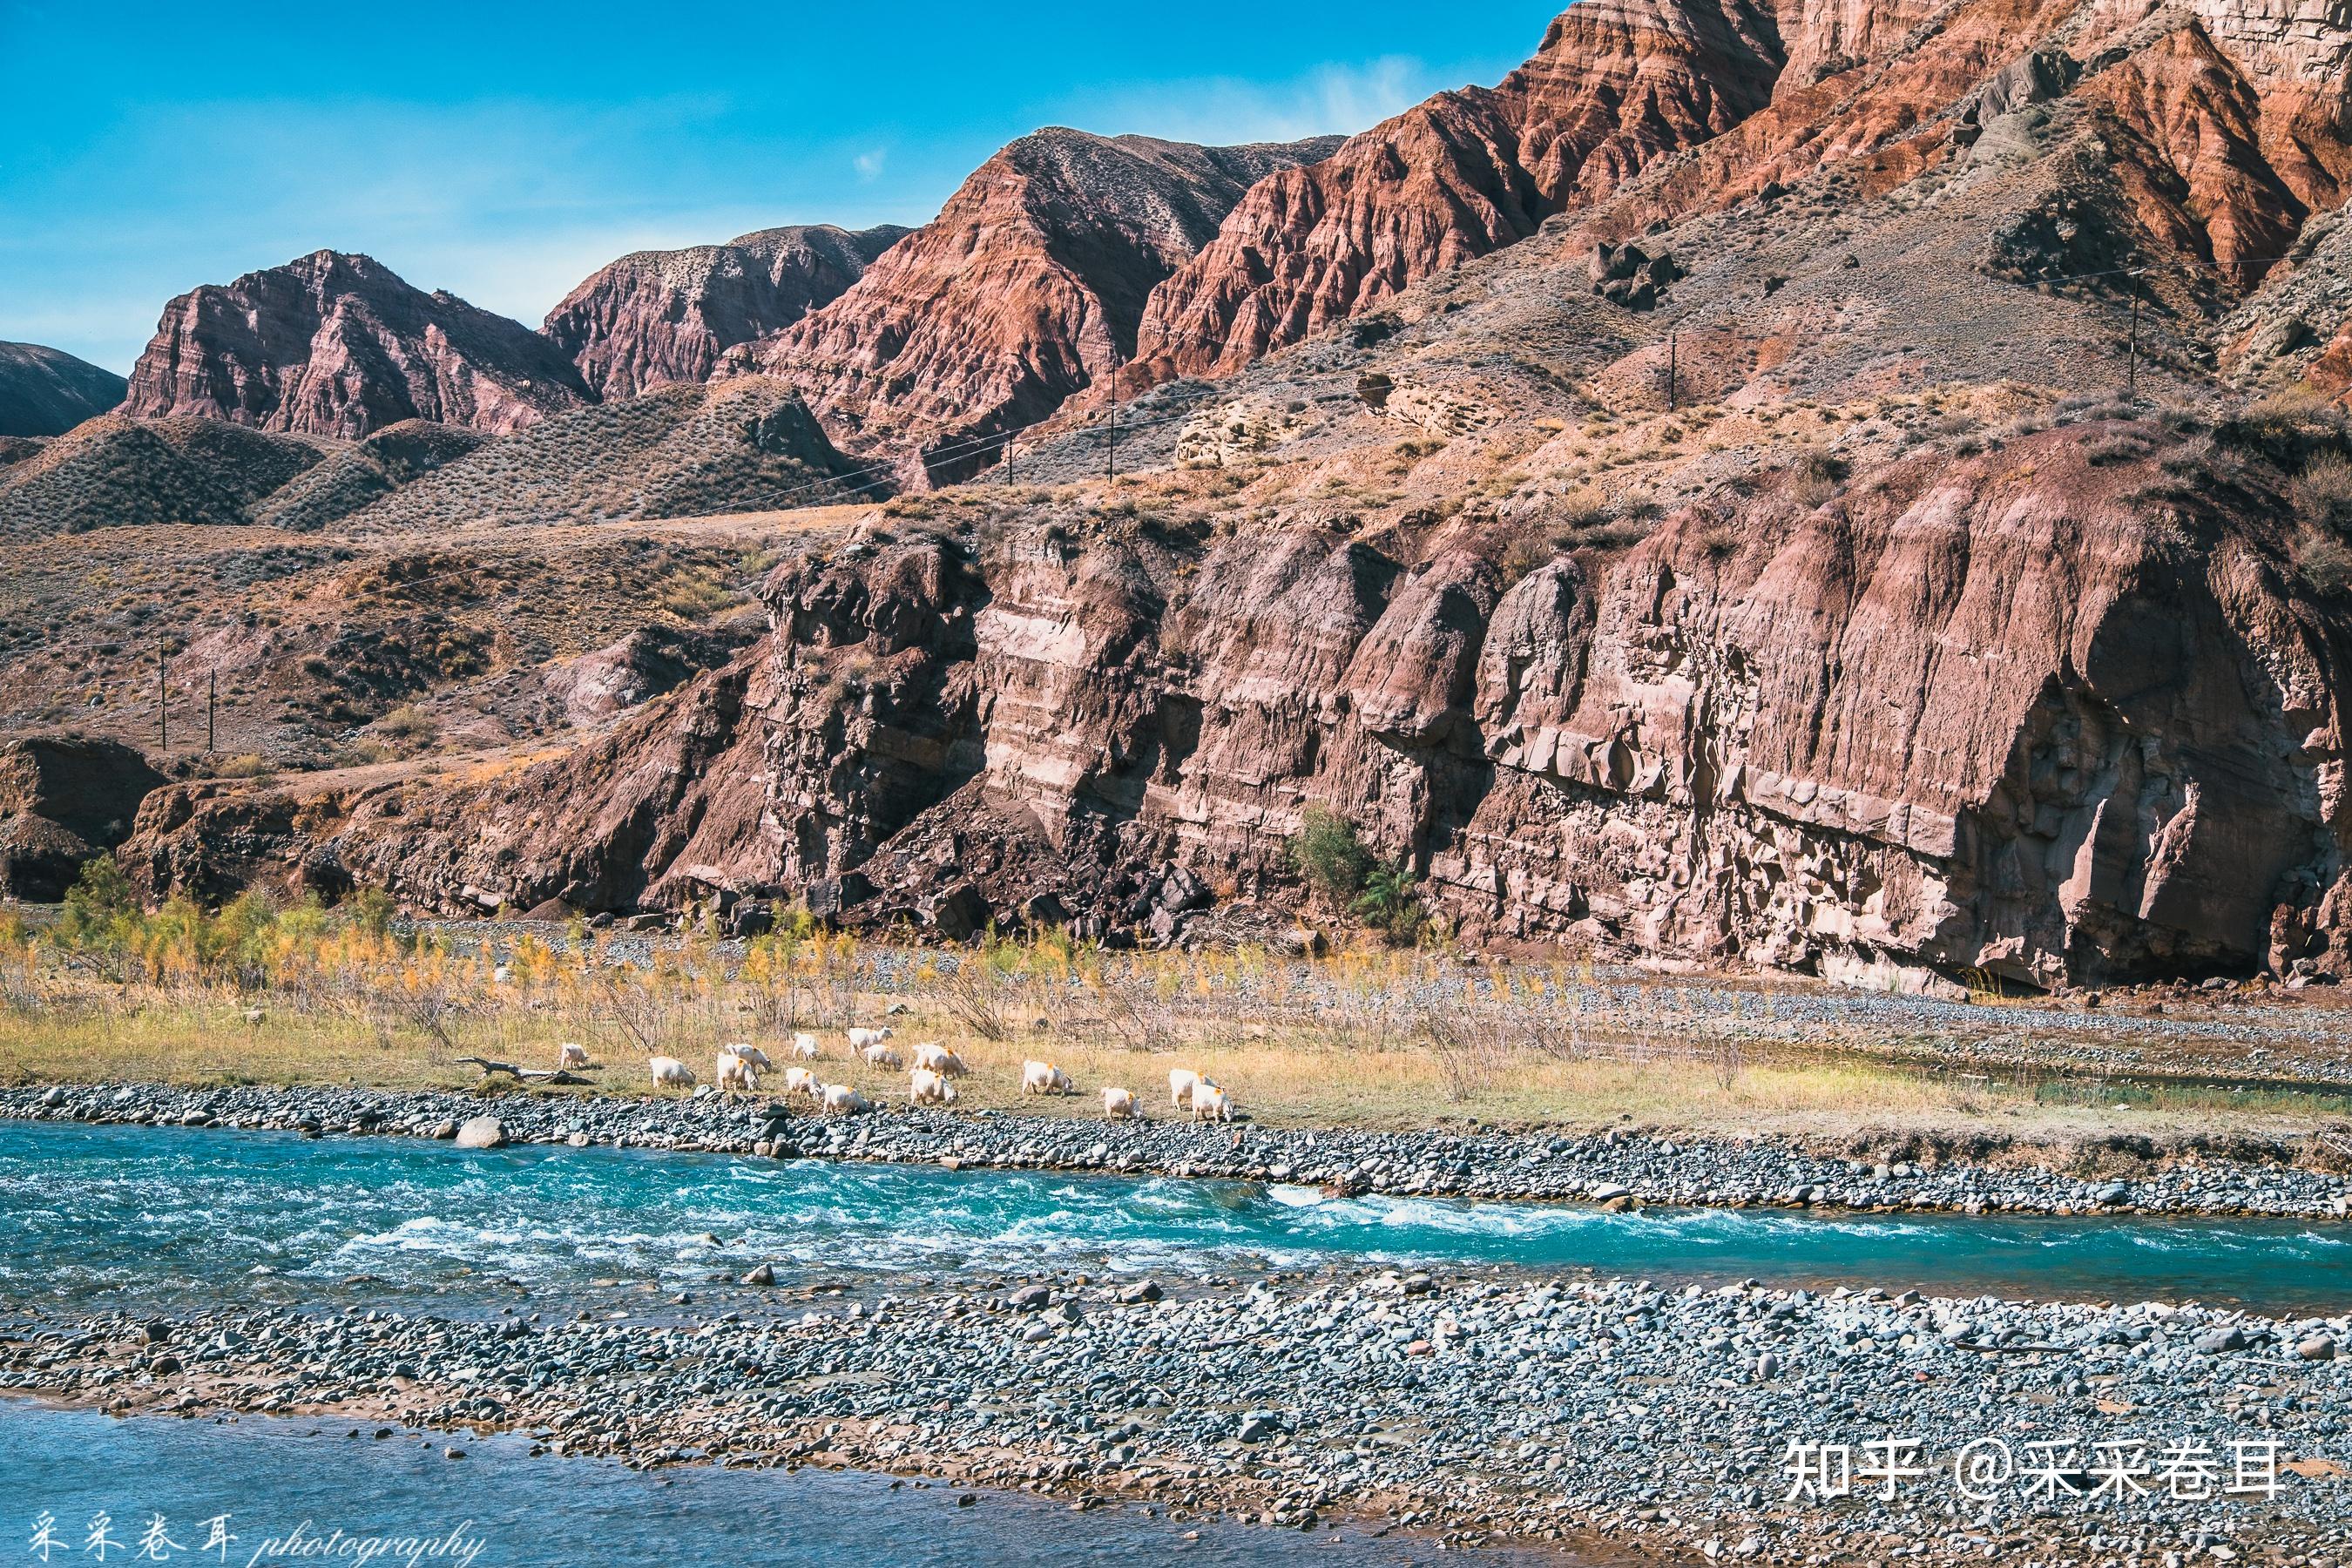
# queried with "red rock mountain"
point(1024, 289)
point(47, 392)
point(339, 345)
point(656, 317)
point(1618, 85)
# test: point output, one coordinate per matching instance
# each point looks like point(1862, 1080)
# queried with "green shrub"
point(1327, 854)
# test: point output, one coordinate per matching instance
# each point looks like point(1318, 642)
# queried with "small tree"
point(97, 905)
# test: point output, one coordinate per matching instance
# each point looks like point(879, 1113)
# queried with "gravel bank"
point(1624, 1422)
point(1605, 1167)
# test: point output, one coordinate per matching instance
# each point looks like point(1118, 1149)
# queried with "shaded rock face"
point(339, 345)
point(1617, 85)
point(1998, 713)
point(656, 317)
point(1025, 289)
point(63, 799)
point(47, 392)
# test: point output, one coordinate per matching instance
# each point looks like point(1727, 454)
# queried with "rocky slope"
point(656, 317)
point(339, 345)
point(2044, 711)
point(116, 471)
point(1617, 85)
point(1025, 289)
point(47, 392)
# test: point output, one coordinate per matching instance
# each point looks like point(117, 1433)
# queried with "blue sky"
point(504, 152)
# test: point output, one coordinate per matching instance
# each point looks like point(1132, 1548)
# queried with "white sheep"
point(805, 1047)
point(1044, 1078)
point(571, 1054)
point(1180, 1087)
point(859, 1039)
point(255, 1016)
point(753, 1055)
point(733, 1072)
point(1118, 1104)
point(800, 1080)
point(1210, 1103)
point(841, 1097)
point(937, 1059)
point(671, 1073)
point(881, 1055)
point(924, 1087)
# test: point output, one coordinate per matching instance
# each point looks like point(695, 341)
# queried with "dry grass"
point(1359, 1040)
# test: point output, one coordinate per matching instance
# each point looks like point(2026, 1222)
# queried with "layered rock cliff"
point(340, 345)
point(1026, 289)
point(47, 392)
point(1617, 85)
point(656, 317)
point(2038, 711)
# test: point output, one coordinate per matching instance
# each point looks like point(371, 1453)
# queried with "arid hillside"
point(1868, 493)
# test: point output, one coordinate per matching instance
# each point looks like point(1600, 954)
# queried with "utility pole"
point(1010, 473)
point(212, 705)
point(1114, 416)
point(163, 700)
point(1674, 368)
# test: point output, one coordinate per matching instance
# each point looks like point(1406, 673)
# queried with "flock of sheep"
point(740, 1067)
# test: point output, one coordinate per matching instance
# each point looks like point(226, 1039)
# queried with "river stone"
point(2219, 1341)
point(2111, 1194)
point(445, 1130)
point(763, 1275)
point(481, 1132)
point(2318, 1347)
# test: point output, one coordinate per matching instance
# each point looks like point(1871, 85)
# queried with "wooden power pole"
point(163, 700)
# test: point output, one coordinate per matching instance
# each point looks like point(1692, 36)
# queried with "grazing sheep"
point(255, 1016)
point(734, 1072)
point(861, 1038)
point(924, 1087)
point(800, 1080)
point(1180, 1087)
point(881, 1055)
point(501, 974)
point(1210, 1103)
point(1044, 1078)
point(847, 1102)
point(1118, 1104)
point(805, 1047)
point(671, 1073)
point(571, 1054)
point(753, 1055)
point(937, 1059)
point(941, 1061)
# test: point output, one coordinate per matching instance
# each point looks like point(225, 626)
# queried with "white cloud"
point(1341, 98)
point(869, 164)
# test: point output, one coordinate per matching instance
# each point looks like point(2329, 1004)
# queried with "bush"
point(1389, 903)
point(2321, 493)
point(98, 905)
point(1327, 854)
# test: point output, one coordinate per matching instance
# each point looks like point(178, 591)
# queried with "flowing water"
point(143, 1215)
point(269, 1478)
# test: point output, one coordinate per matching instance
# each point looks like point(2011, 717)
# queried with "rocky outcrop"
point(1617, 85)
point(339, 345)
point(2033, 713)
point(47, 392)
point(655, 317)
point(1026, 289)
point(64, 798)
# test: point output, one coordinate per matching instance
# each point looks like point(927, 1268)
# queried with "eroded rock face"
point(2007, 712)
point(1025, 289)
point(339, 345)
point(656, 317)
point(1617, 85)
point(64, 798)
